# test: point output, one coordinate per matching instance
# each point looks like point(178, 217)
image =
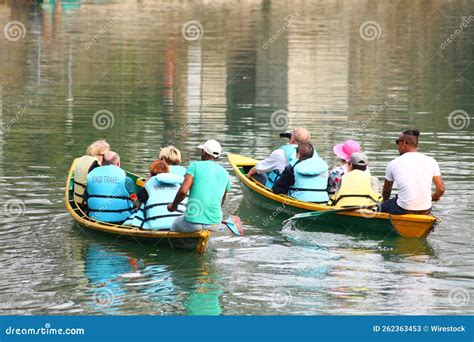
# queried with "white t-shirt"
point(275, 161)
point(412, 173)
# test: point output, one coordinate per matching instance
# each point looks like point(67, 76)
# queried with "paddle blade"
point(235, 225)
point(328, 212)
point(304, 215)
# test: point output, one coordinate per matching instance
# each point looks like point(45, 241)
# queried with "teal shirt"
point(205, 196)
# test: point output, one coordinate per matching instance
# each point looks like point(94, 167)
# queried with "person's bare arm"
point(182, 192)
point(387, 189)
point(252, 172)
point(439, 184)
point(223, 198)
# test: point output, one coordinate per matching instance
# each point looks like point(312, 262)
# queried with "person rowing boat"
point(413, 173)
point(207, 184)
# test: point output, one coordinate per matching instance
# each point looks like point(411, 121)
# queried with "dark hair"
point(359, 167)
point(410, 136)
point(413, 132)
point(306, 150)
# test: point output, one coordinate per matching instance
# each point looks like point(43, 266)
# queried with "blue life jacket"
point(311, 179)
point(107, 197)
point(153, 214)
point(177, 170)
point(290, 153)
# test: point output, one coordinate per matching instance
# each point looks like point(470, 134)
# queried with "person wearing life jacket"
point(85, 164)
point(108, 191)
point(172, 156)
point(413, 174)
point(156, 167)
point(355, 187)
point(207, 183)
point(270, 169)
point(343, 152)
point(157, 193)
point(305, 178)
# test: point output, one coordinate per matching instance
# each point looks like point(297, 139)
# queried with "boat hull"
point(409, 226)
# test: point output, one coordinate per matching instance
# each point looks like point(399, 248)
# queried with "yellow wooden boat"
point(408, 226)
point(197, 241)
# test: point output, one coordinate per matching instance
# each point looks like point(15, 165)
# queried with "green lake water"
point(144, 74)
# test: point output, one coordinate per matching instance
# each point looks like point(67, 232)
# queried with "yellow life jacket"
point(81, 170)
point(355, 190)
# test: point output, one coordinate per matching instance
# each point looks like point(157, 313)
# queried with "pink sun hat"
point(345, 149)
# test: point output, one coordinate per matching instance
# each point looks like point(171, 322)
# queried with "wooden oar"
point(234, 224)
point(326, 212)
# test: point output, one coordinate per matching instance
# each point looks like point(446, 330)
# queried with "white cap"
point(212, 148)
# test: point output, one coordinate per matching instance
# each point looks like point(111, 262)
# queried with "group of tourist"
point(190, 199)
point(173, 197)
point(297, 170)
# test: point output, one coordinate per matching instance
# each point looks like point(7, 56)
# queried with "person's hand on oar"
point(327, 212)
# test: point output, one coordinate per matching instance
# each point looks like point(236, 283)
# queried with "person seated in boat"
point(154, 197)
point(268, 171)
point(412, 172)
point(155, 168)
point(172, 156)
point(306, 177)
point(108, 191)
point(343, 151)
point(355, 188)
point(207, 184)
point(85, 164)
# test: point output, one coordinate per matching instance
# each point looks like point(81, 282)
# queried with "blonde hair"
point(97, 148)
point(158, 166)
point(171, 155)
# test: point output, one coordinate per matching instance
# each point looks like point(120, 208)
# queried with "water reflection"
point(121, 276)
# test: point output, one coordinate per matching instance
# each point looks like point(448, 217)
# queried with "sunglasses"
point(398, 141)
